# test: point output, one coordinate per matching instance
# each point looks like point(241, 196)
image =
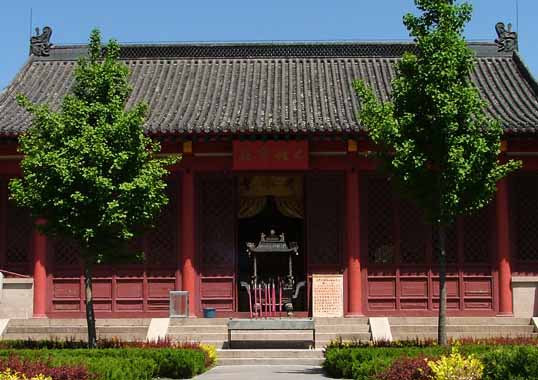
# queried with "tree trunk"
point(90, 316)
point(441, 328)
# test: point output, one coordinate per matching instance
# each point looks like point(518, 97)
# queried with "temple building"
point(271, 144)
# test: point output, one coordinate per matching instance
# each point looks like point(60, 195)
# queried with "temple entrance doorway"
point(272, 206)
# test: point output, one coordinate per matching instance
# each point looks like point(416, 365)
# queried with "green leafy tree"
point(88, 170)
point(438, 145)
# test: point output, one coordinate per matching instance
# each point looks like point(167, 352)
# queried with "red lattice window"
point(161, 246)
point(476, 230)
point(17, 230)
point(66, 253)
point(413, 234)
point(325, 193)
point(381, 249)
point(19, 234)
point(451, 244)
point(524, 212)
point(217, 221)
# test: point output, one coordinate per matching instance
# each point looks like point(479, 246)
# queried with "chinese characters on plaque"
point(270, 155)
point(327, 295)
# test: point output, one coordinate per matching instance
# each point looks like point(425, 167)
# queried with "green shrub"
point(366, 363)
point(124, 364)
point(457, 366)
point(369, 362)
point(511, 363)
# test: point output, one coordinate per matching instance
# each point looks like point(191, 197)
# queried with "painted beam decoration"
point(270, 155)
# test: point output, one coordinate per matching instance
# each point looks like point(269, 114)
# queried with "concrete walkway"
point(263, 372)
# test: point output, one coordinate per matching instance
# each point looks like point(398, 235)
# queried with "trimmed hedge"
point(368, 362)
point(374, 363)
point(514, 363)
point(123, 364)
point(63, 344)
point(35, 368)
point(408, 369)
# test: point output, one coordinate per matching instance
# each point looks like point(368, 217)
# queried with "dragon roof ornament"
point(507, 40)
point(40, 43)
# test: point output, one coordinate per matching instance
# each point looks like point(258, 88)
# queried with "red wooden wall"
point(121, 289)
point(401, 270)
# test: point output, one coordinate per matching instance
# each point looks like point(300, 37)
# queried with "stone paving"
point(263, 372)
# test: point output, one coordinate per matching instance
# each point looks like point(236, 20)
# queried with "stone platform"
point(214, 330)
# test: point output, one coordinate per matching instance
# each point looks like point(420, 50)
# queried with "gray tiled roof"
point(264, 88)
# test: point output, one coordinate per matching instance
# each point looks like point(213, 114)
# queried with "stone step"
point(341, 321)
point(45, 337)
point(270, 357)
point(270, 361)
point(190, 329)
point(342, 329)
point(72, 336)
point(246, 335)
point(475, 335)
point(193, 329)
point(481, 321)
point(81, 322)
point(198, 321)
point(268, 335)
point(223, 344)
point(512, 329)
point(75, 329)
point(311, 354)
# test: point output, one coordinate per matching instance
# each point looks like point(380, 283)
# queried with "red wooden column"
point(352, 243)
point(503, 249)
point(188, 240)
point(40, 272)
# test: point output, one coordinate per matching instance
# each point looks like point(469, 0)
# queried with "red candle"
point(280, 300)
point(273, 296)
point(255, 301)
point(249, 302)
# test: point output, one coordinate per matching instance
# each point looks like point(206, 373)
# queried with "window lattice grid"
point(451, 244)
point(380, 222)
point(413, 240)
point(217, 214)
point(476, 230)
point(66, 253)
point(526, 226)
point(19, 234)
point(162, 240)
point(324, 219)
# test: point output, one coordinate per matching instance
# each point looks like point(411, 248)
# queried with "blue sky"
point(239, 20)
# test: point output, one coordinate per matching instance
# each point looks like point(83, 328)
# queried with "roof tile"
point(264, 88)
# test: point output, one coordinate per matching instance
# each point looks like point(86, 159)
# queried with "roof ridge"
point(271, 42)
point(272, 49)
